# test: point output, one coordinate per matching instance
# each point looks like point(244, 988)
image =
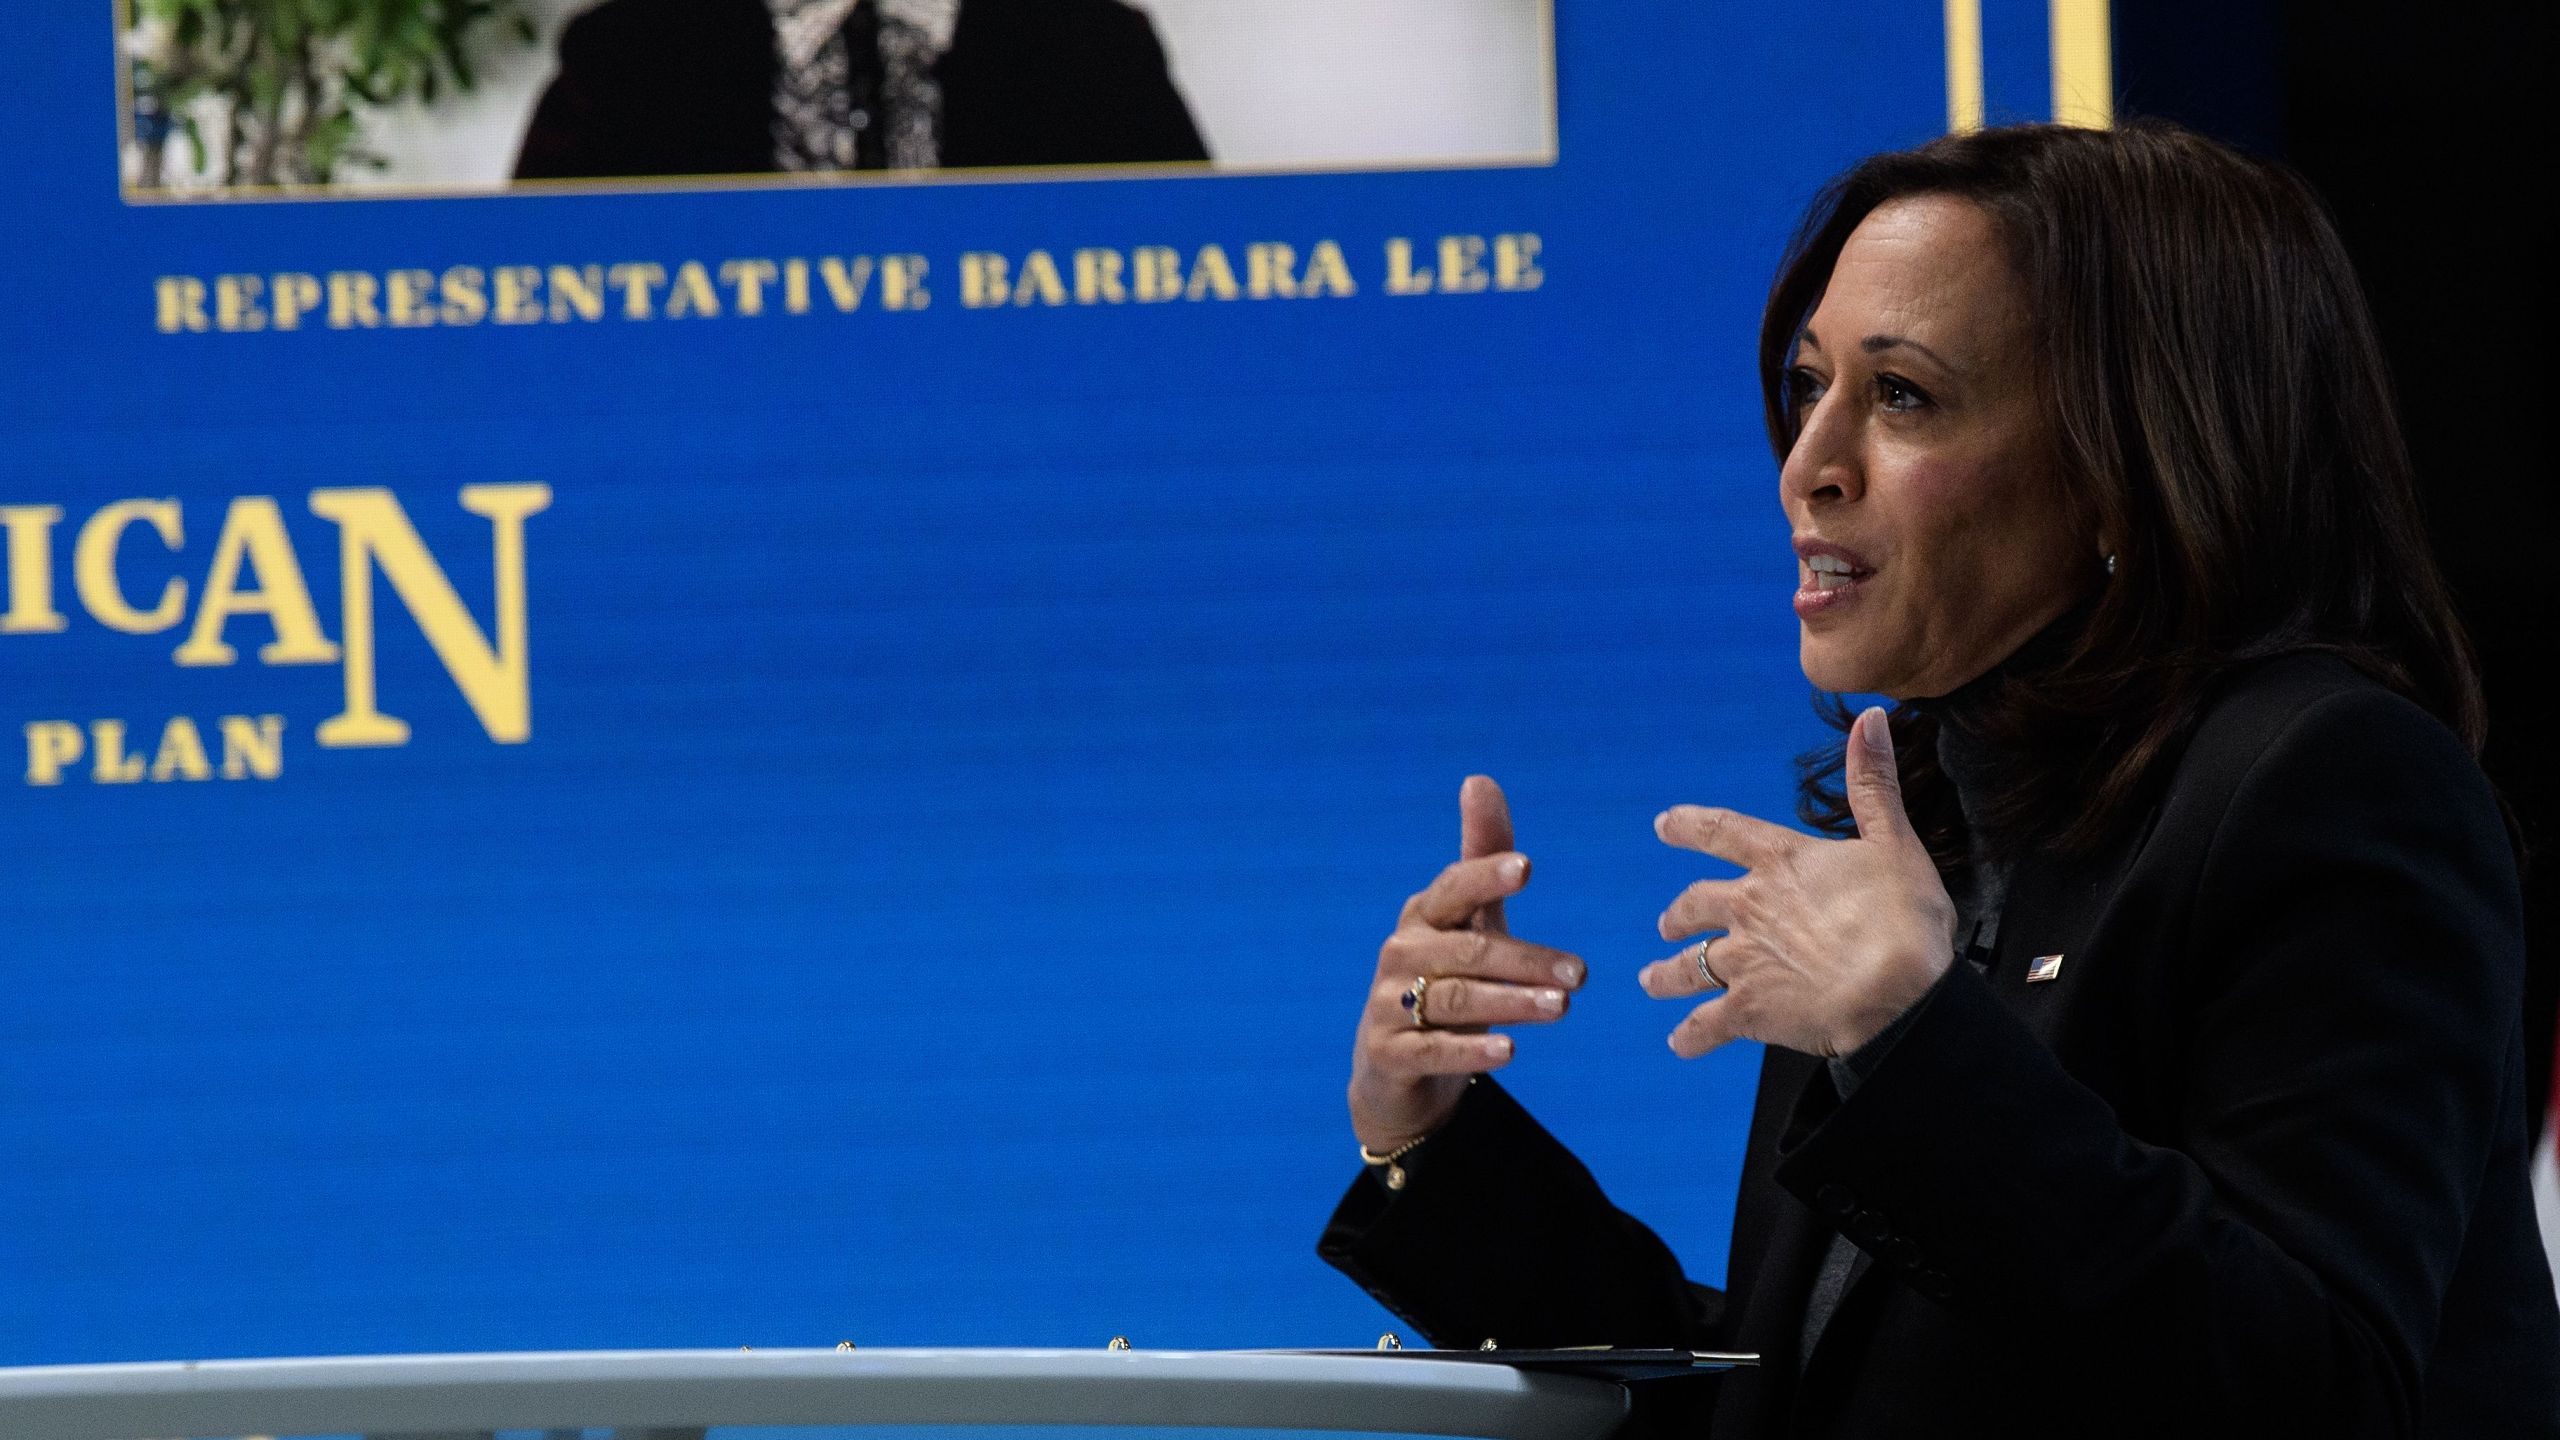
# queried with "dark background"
point(2427, 129)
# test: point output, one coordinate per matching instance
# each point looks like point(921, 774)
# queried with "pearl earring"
point(2111, 565)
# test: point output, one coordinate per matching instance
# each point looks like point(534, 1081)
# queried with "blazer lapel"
point(2049, 913)
point(2052, 908)
point(2042, 932)
point(2044, 957)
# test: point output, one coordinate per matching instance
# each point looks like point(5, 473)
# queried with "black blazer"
point(685, 87)
point(2253, 1162)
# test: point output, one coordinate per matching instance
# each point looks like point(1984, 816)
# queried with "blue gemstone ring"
point(1412, 1002)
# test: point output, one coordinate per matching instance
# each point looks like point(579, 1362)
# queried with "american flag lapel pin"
point(2043, 967)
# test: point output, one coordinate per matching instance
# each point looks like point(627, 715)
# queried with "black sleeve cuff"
point(1501, 1234)
point(1850, 1070)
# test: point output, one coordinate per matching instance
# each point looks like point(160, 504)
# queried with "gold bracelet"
point(1395, 1172)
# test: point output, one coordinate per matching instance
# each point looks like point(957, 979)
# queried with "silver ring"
point(1413, 994)
point(1703, 972)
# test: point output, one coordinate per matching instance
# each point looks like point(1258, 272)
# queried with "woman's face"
point(1931, 533)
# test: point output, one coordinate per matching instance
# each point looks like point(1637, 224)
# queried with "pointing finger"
point(1484, 828)
point(1484, 818)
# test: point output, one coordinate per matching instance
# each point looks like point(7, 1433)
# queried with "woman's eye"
point(1803, 388)
point(1900, 394)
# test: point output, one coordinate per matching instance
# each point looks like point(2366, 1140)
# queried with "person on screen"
point(738, 87)
point(2144, 1048)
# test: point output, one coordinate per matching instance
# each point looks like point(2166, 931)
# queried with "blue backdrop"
point(973, 753)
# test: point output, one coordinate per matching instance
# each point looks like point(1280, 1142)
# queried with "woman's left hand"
point(1825, 941)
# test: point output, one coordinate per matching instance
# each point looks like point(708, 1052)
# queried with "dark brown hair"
point(2218, 405)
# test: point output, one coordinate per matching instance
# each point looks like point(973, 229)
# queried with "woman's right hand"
point(1406, 1078)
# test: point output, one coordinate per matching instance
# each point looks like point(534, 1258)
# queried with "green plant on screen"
point(274, 92)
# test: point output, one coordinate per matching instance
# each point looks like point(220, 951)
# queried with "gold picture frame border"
point(2080, 46)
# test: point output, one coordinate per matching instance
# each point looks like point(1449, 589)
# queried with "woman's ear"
point(2106, 550)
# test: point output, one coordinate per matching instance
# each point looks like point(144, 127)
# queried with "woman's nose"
point(1821, 467)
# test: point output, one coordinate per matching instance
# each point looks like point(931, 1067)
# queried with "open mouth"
point(1828, 576)
point(1830, 572)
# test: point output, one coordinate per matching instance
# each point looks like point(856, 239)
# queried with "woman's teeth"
point(1829, 572)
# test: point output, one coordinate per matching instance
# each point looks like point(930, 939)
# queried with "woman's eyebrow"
point(1876, 343)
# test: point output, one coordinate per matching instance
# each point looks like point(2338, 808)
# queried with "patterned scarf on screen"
point(827, 100)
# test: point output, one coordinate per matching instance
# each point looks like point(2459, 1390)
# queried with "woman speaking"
point(2145, 1048)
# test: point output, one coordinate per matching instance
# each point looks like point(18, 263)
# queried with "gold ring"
point(1413, 994)
point(1703, 972)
